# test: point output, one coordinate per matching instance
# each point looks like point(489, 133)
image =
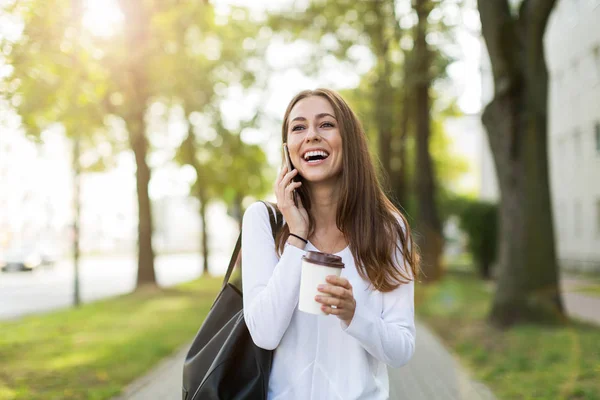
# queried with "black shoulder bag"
point(223, 361)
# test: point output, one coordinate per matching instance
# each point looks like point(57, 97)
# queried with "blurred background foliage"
point(117, 92)
point(176, 63)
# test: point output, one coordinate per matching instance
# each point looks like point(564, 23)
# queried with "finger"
point(339, 281)
point(336, 291)
point(281, 174)
point(300, 205)
point(285, 180)
point(328, 300)
point(330, 310)
point(288, 177)
point(292, 186)
point(289, 190)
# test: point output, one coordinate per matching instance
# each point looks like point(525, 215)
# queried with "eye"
point(297, 127)
point(327, 125)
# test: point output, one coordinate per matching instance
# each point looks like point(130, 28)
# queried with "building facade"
point(572, 45)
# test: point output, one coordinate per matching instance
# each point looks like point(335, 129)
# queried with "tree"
point(398, 87)
point(240, 63)
point(226, 168)
point(372, 24)
point(53, 80)
point(55, 59)
point(516, 124)
point(428, 222)
point(173, 52)
point(167, 51)
point(131, 73)
point(200, 158)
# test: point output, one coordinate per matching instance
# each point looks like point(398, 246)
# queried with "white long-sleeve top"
point(320, 357)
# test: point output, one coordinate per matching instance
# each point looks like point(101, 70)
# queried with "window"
point(596, 59)
point(557, 90)
point(577, 219)
point(597, 132)
point(577, 153)
point(598, 217)
point(559, 220)
point(575, 73)
point(563, 163)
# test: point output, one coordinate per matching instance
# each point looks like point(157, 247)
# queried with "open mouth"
point(315, 157)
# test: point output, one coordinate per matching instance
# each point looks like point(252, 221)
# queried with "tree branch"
point(536, 14)
point(502, 42)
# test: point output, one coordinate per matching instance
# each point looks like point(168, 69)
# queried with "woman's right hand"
point(295, 217)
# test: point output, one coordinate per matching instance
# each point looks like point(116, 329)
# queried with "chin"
point(321, 178)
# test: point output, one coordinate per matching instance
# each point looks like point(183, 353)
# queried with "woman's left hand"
point(341, 297)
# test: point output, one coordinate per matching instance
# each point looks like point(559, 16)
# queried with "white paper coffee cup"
point(316, 267)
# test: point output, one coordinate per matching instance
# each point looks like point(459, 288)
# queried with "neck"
point(324, 204)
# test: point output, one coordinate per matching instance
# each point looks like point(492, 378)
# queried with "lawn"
point(94, 351)
point(589, 289)
point(526, 362)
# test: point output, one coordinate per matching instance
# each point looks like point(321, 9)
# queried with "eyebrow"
point(318, 117)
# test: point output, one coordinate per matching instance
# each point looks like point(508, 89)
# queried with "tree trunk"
point(139, 144)
point(398, 167)
point(205, 251)
point(76, 10)
point(76, 219)
point(137, 40)
point(384, 95)
point(428, 222)
point(516, 124)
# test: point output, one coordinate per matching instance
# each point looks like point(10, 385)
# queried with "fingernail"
point(317, 298)
point(321, 287)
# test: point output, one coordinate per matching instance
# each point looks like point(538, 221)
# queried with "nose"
point(312, 134)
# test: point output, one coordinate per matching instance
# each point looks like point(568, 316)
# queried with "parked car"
point(20, 259)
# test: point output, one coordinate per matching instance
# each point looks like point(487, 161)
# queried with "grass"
point(94, 351)
point(589, 289)
point(526, 362)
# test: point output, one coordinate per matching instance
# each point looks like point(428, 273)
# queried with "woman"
point(343, 211)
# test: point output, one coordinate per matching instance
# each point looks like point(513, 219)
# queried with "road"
point(23, 293)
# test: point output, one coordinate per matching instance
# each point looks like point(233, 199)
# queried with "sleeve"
point(389, 337)
point(271, 284)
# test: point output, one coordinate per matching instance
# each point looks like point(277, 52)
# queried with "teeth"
point(315, 153)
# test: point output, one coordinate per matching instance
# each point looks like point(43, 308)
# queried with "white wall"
point(573, 55)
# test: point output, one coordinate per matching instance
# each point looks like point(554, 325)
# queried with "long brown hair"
point(375, 229)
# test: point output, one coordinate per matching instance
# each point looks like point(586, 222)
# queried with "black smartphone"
point(290, 167)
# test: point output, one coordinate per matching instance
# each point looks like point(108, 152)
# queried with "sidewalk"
point(433, 373)
point(579, 305)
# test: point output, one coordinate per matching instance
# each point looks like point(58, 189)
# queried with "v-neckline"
point(335, 254)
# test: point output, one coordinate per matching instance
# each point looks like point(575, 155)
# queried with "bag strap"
point(274, 217)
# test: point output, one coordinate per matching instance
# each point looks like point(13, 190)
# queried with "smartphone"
point(290, 167)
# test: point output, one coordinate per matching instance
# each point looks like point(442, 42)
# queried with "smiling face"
point(314, 140)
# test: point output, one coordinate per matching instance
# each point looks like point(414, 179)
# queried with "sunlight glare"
point(102, 17)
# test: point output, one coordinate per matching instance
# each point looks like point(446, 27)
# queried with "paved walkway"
point(433, 373)
point(578, 305)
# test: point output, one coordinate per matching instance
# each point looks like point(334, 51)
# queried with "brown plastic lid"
point(326, 259)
